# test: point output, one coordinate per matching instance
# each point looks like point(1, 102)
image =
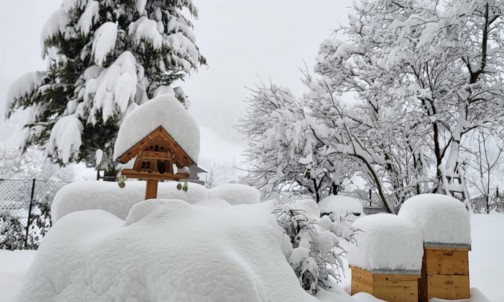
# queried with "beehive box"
point(445, 273)
point(389, 286)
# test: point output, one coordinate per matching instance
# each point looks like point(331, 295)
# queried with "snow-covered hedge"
point(387, 242)
point(335, 205)
point(442, 219)
point(99, 195)
point(166, 250)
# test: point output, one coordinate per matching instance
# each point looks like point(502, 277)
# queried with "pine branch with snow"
point(104, 59)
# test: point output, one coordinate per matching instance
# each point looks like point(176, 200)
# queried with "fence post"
point(29, 213)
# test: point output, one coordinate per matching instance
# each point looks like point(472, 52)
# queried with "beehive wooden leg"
point(151, 189)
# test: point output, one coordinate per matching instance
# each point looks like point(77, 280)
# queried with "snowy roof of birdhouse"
point(163, 111)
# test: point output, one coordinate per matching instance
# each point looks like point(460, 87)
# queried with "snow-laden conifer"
point(103, 59)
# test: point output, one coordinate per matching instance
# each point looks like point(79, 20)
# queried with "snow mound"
point(386, 242)
point(166, 111)
point(167, 250)
point(107, 196)
point(309, 206)
point(235, 194)
point(335, 205)
point(441, 218)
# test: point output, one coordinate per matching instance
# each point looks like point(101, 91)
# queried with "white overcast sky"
point(242, 41)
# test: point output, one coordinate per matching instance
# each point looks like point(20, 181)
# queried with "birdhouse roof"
point(163, 111)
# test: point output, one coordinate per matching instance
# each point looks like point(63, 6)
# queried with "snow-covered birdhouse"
point(162, 139)
point(387, 260)
point(445, 224)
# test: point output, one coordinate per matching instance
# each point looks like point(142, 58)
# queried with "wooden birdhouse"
point(163, 141)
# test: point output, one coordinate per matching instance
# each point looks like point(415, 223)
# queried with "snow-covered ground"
point(486, 264)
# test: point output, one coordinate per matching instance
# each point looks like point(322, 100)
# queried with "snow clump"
point(386, 242)
point(441, 218)
point(335, 205)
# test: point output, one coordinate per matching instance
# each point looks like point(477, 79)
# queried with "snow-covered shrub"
point(40, 222)
point(316, 252)
point(12, 232)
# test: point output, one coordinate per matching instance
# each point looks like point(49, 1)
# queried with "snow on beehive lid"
point(442, 219)
point(167, 112)
point(387, 243)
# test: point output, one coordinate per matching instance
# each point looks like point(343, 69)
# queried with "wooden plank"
point(362, 281)
point(151, 189)
point(447, 262)
point(389, 287)
point(448, 287)
point(396, 288)
point(146, 175)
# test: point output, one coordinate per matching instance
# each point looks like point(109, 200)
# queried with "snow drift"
point(167, 250)
point(104, 195)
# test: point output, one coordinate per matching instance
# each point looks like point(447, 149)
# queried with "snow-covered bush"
point(12, 232)
point(316, 252)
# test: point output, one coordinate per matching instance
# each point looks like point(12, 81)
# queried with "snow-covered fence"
point(25, 211)
point(387, 260)
point(445, 225)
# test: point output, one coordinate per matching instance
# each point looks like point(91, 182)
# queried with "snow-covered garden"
point(401, 112)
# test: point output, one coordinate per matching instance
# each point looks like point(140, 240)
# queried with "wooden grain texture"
point(389, 287)
point(448, 287)
point(445, 274)
point(447, 262)
point(151, 189)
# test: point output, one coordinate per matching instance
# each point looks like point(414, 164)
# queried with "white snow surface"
point(167, 250)
point(104, 42)
point(107, 196)
point(235, 194)
point(115, 88)
point(89, 17)
point(145, 29)
point(65, 139)
point(335, 205)
point(441, 218)
point(484, 260)
point(386, 242)
point(166, 111)
point(23, 86)
point(56, 23)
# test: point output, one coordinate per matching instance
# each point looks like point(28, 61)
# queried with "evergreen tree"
point(105, 57)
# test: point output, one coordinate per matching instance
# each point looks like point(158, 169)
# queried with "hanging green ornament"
point(186, 186)
point(179, 186)
point(121, 181)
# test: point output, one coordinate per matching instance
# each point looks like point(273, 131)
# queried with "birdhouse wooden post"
point(162, 139)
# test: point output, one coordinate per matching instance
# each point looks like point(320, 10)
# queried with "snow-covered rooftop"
point(441, 218)
point(167, 112)
point(386, 242)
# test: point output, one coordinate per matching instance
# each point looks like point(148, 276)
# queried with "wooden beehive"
point(445, 273)
point(156, 154)
point(392, 286)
